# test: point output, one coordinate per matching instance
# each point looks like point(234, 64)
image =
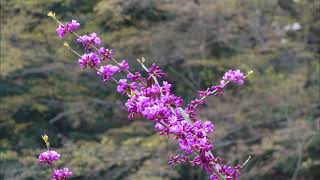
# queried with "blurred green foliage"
point(275, 117)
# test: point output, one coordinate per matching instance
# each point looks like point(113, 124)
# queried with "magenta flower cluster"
point(155, 101)
point(61, 174)
point(106, 52)
point(48, 157)
point(234, 76)
point(68, 27)
point(107, 71)
point(91, 60)
point(88, 40)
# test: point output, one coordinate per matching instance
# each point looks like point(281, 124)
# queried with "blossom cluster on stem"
point(155, 101)
point(68, 27)
point(48, 157)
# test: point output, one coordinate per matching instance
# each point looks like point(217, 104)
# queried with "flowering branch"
point(48, 157)
point(155, 101)
point(186, 118)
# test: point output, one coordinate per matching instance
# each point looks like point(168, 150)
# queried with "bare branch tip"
point(51, 14)
point(45, 138)
point(246, 161)
point(66, 45)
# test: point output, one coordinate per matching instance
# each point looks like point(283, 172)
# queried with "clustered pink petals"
point(235, 76)
point(72, 26)
point(61, 31)
point(204, 161)
point(123, 65)
point(88, 40)
point(155, 101)
point(154, 70)
point(229, 172)
point(135, 77)
point(108, 53)
point(218, 88)
point(106, 72)
point(48, 157)
point(213, 177)
point(69, 27)
point(125, 87)
point(91, 60)
point(61, 174)
point(173, 160)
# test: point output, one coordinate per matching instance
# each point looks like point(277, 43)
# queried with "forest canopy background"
point(275, 116)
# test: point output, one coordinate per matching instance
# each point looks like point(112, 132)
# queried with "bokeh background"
point(275, 116)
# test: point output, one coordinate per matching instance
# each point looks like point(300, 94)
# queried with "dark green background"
point(275, 116)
